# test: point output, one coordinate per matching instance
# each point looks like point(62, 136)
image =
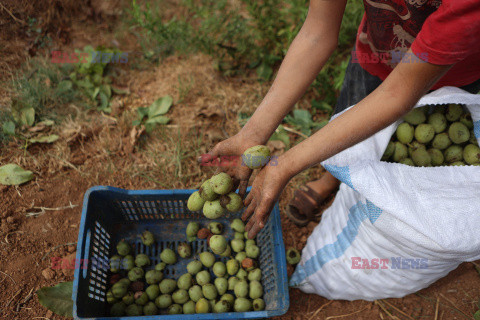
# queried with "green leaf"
point(47, 122)
point(119, 90)
point(159, 120)
point(282, 135)
point(142, 112)
point(45, 139)
point(476, 316)
point(27, 116)
point(57, 299)
point(322, 106)
point(160, 106)
point(136, 122)
point(107, 90)
point(64, 86)
point(95, 92)
point(9, 128)
point(103, 102)
point(264, 71)
point(12, 174)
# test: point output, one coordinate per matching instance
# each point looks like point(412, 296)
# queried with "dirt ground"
point(40, 220)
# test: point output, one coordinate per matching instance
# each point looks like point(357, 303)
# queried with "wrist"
point(279, 167)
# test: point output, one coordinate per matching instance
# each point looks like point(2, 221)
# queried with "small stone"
point(10, 220)
point(48, 274)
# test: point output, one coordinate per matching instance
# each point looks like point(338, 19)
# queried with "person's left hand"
point(266, 189)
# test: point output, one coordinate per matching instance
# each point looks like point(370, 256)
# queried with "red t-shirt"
point(439, 32)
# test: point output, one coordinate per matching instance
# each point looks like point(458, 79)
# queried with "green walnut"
point(238, 245)
point(141, 298)
point(238, 235)
point(115, 262)
point(250, 242)
point(458, 133)
point(408, 162)
point(110, 298)
point(405, 133)
point(168, 256)
point(232, 202)
point(252, 251)
point(242, 305)
point(438, 122)
point(195, 293)
point(202, 306)
point(454, 112)
point(203, 277)
point(209, 291)
point(180, 296)
point(473, 138)
point(293, 256)
point(195, 202)
point(457, 164)
point(215, 227)
point(164, 301)
point(222, 285)
point(255, 274)
point(206, 191)
point(227, 252)
point(256, 157)
point(238, 225)
point(400, 153)
point(136, 274)
point(152, 291)
point(175, 309)
point(213, 209)
point(471, 154)
point(453, 153)
point(421, 158)
point(119, 290)
point(184, 250)
point(255, 290)
point(147, 238)
point(185, 281)
point(218, 244)
point(388, 151)
point(242, 274)
point(221, 306)
point(153, 276)
point(221, 183)
point(424, 133)
point(232, 281)
point(466, 119)
point(207, 259)
point(150, 309)
point(133, 310)
point(441, 141)
point(167, 286)
point(241, 256)
point(415, 117)
point(229, 298)
point(232, 266)
point(193, 227)
point(436, 156)
point(118, 309)
point(128, 263)
point(241, 289)
point(193, 267)
point(160, 266)
point(219, 269)
point(258, 304)
point(142, 260)
point(189, 307)
point(123, 248)
point(129, 298)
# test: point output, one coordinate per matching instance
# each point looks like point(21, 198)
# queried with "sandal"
point(305, 206)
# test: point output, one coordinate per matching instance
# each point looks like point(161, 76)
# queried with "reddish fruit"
point(115, 278)
point(204, 233)
point(137, 286)
point(248, 264)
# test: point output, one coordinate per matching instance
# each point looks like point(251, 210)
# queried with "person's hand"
point(266, 189)
point(227, 156)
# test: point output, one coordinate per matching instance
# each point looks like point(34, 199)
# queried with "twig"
point(41, 318)
point(395, 308)
point(6, 236)
point(453, 304)
point(16, 294)
point(436, 309)
point(29, 295)
point(346, 315)
point(56, 247)
point(11, 15)
point(377, 302)
point(295, 131)
point(320, 309)
point(9, 277)
point(45, 209)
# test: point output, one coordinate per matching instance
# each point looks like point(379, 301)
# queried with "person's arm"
point(306, 56)
point(400, 91)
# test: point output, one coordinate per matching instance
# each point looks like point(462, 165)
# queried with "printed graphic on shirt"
point(392, 25)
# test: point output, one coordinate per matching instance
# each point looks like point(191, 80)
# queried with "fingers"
point(242, 188)
point(249, 211)
point(248, 199)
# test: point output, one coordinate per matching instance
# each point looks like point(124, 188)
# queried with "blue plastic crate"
point(111, 214)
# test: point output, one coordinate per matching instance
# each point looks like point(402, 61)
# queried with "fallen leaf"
point(45, 139)
point(57, 299)
point(160, 106)
point(12, 174)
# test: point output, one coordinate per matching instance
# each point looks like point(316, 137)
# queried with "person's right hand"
point(231, 148)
